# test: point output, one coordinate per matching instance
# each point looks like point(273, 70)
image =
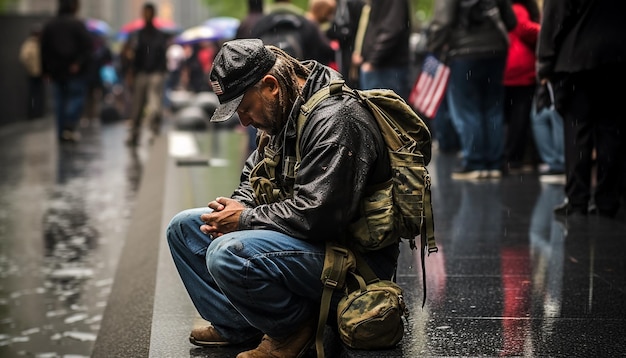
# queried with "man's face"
point(148, 15)
point(260, 109)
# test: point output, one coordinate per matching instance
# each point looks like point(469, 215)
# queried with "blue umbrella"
point(225, 26)
point(98, 27)
point(197, 34)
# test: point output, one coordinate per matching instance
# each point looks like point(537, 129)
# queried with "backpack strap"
point(335, 87)
point(427, 235)
point(337, 262)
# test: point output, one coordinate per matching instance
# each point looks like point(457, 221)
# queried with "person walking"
point(474, 36)
point(149, 70)
point(65, 54)
point(101, 56)
point(381, 50)
point(255, 12)
point(582, 52)
point(30, 57)
point(252, 263)
point(520, 83)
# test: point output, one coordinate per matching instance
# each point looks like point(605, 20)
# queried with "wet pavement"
point(64, 211)
point(81, 275)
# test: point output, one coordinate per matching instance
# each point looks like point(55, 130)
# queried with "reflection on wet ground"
point(510, 278)
point(63, 216)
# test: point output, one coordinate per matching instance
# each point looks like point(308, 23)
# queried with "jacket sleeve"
point(507, 14)
point(389, 30)
point(440, 26)
point(550, 36)
point(526, 29)
point(337, 157)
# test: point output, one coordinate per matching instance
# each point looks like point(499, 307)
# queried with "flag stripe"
point(430, 86)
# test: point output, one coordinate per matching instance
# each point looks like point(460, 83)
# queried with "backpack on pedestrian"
point(284, 31)
point(370, 314)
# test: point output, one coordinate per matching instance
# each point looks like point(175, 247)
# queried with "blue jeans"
point(547, 126)
point(69, 98)
point(393, 78)
point(475, 96)
point(445, 132)
point(252, 281)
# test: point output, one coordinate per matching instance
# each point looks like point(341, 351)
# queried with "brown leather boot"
point(293, 346)
point(207, 336)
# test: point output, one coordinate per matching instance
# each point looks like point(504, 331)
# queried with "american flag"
point(430, 86)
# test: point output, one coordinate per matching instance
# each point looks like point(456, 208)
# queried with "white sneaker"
point(558, 179)
point(494, 174)
point(466, 174)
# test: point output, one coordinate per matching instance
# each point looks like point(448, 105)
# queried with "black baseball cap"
point(238, 66)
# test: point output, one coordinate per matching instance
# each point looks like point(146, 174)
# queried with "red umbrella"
point(159, 23)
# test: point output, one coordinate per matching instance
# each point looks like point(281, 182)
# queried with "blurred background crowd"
point(496, 111)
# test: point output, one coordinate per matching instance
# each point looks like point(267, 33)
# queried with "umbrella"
point(197, 34)
point(98, 27)
point(162, 24)
point(226, 26)
point(159, 23)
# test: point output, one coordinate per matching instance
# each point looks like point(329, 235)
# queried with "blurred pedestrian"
point(547, 126)
point(382, 46)
point(520, 83)
point(197, 65)
point(255, 12)
point(286, 27)
point(149, 68)
point(343, 29)
point(175, 57)
point(101, 56)
point(66, 47)
point(582, 52)
point(321, 13)
point(30, 57)
point(444, 131)
point(474, 36)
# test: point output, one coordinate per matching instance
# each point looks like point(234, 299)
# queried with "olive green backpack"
point(399, 209)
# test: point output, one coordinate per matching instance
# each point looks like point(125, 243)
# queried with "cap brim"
point(226, 110)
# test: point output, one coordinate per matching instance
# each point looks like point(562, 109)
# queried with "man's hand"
point(223, 219)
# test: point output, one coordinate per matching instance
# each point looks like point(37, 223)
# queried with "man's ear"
point(271, 83)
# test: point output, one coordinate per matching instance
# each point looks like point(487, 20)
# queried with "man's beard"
point(274, 116)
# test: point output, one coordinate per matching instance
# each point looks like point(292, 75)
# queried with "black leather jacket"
point(581, 35)
point(342, 152)
point(386, 40)
point(448, 36)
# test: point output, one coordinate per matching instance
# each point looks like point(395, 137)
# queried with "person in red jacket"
point(520, 83)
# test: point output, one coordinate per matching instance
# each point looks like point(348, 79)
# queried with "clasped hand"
point(223, 219)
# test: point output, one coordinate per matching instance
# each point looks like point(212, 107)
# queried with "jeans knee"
point(221, 256)
point(180, 222)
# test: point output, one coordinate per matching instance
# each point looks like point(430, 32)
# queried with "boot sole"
point(208, 343)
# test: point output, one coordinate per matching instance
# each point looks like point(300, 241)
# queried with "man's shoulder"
point(151, 33)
